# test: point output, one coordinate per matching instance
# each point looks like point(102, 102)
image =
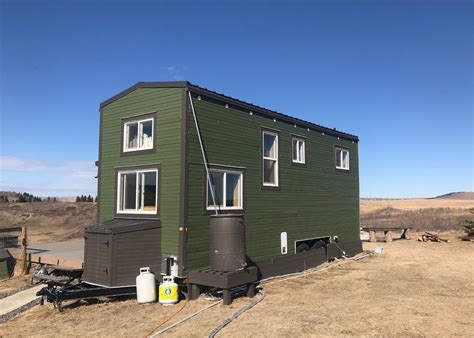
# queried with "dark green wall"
point(167, 103)
point(313, 200)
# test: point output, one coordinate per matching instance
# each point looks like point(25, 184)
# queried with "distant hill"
point(462, 195)
point(49, 221)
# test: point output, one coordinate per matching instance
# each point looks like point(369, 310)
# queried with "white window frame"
point(224, 196)
point(342, 158)
point(300, 156)
point(140, 134)
point(264, 132)
point(120, 197)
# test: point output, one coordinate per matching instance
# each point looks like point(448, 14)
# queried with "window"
point(270, 158)
point(137, 191)
point(227, 188)
point(138, 135)
point(298, 150)
point(342, 158)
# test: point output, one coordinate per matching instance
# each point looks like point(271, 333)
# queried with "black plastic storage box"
point(114, 251)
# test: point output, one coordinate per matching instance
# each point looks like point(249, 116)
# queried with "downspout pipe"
point(204, 158)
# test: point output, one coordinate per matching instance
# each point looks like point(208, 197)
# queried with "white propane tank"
point(146, 286)
point(168, 291)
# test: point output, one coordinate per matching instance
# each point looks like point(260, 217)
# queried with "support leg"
point(190, 291)
point(372, 237)
point(194, 291)
point(227, 297)
point(251, 290)
point(388, 236)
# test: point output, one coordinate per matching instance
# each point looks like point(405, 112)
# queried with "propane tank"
point(168, 293)
point(146, 286)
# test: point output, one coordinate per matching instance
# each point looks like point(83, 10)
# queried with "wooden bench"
point(404, 232)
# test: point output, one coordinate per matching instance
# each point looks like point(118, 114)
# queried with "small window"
point(138, 191)
point(342, 158)
point(138, 135)
point(227, 189)
point(270, 158)
point(298, 150)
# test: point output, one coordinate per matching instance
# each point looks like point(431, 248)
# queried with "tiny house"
point(171, 154)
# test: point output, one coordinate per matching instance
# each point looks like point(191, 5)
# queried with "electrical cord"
point(167, 320)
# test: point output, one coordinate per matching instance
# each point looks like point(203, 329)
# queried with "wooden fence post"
point(372, 236)
point(21, 267)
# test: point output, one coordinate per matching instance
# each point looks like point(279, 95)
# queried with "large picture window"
point(298, 146)
point(138, 135)
point(342, 158)
point(227, 186)
point(270, 158)
point(137, 191)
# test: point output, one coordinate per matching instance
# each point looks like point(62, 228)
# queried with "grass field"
point(420, 214)
point(58, 221)
point(48, 221)
point(412, 289)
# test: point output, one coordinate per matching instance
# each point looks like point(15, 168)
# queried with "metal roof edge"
point(233, 101)
point(272, 113)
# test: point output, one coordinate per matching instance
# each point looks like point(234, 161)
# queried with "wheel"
point(318, 244)
point(302, 247)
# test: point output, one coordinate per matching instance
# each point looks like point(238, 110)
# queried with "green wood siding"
point(167, 103)
point(314, 199)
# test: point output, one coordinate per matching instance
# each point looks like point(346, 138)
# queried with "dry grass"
point(413, 289)
point(14, 283)
point(48, 221)
point(426, 214)
point(58, 221)
point(371, 205)
point(440, 219)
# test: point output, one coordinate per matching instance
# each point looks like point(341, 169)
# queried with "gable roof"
point(233, 101)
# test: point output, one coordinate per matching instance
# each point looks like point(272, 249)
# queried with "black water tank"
point(227, 239)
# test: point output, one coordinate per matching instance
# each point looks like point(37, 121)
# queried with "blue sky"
point(399, 74)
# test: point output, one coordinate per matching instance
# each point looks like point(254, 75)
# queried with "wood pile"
point(429, 237)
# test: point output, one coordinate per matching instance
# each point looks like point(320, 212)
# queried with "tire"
point(302, 247)
point(318, 244)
